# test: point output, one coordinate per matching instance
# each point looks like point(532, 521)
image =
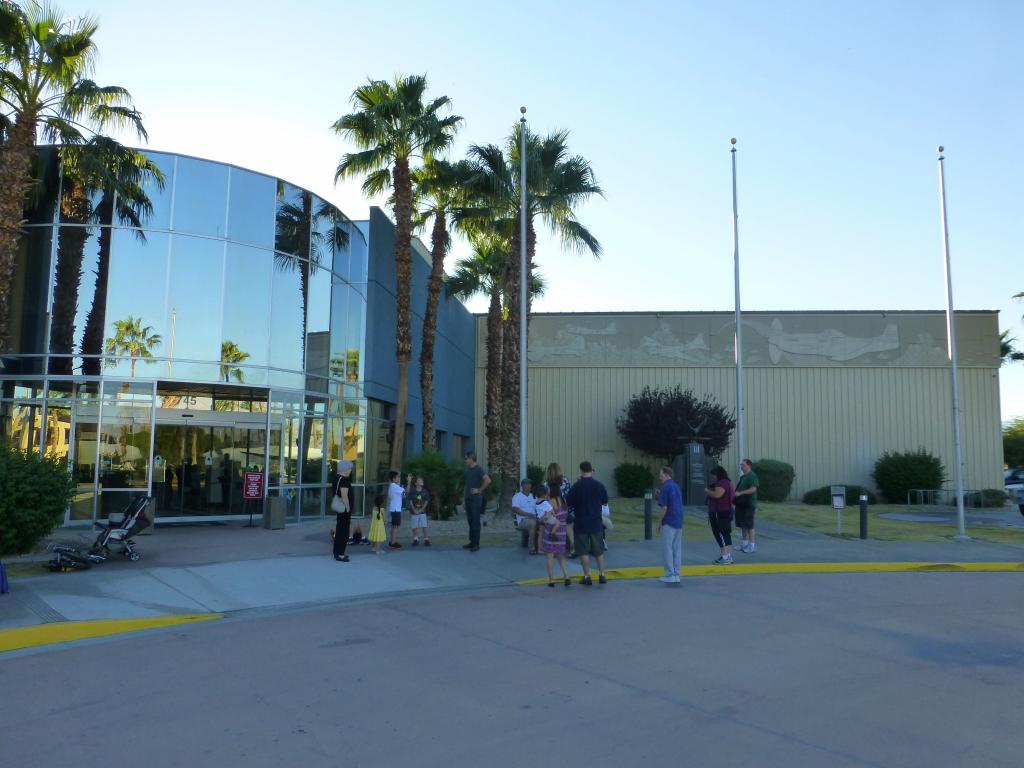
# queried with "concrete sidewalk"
point(188, 570)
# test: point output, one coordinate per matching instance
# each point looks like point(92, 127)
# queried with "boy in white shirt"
point(396, 494)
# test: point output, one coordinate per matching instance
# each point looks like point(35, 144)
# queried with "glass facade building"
point(170, 350)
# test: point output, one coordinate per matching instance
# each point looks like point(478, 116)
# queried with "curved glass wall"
point(170, 348)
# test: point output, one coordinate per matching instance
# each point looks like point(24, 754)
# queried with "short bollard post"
point(863, 515)
point(648, 514)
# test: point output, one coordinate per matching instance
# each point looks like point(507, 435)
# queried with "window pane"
point(294, 216)
point(28, 293)
point(358, 256)
point(248, 278)
point(354, 332)
point(135, 317)
point(193, 307)
point(160, 218)
point(200, 197)
point(125, 435)
point(41, 208)
point(313, 451)
point(251, 208)
point(20, 423)
point(74, 292)
point(312, 503)
point(318, 322)
point(287, 334)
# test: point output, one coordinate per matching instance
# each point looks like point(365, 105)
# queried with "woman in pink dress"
point(551, 512)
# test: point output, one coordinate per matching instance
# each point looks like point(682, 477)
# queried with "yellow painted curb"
point(653, 572)
point(67, 631)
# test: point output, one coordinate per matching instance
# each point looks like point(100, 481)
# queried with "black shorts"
point(396, 519)
point(745, 517)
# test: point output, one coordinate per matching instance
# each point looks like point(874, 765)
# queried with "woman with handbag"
point(720, 497)
point(341, 505)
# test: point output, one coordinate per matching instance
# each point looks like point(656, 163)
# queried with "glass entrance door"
point(198, 468)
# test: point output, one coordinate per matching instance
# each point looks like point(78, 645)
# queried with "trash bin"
point(274, 513)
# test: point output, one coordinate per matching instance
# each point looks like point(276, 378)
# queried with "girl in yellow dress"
point(377, 531)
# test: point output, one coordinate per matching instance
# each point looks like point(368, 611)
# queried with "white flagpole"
point(740, 431)
point(958, 466)
point(524, 292)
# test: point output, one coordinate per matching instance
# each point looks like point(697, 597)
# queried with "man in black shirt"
point(477, 481)
point(585, 498)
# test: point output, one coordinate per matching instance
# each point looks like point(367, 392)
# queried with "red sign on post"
point(252, 487)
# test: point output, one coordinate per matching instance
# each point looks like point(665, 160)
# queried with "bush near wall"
point(633, 479)
point(775, 479)
point(34, 493)
point(442, 477)
point(896, 473)
point(993, 497)
point(823, 495)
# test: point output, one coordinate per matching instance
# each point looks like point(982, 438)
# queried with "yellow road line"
point(67, 631)
point(653, 572)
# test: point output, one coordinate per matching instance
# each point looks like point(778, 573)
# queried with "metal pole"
point(524, 291)
point(863, 516)
point(958, 476)
point(740, 433)
point(648, 513)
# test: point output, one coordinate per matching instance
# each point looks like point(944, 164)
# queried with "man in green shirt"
point(745, 502)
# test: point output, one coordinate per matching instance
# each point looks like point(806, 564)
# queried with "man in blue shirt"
point(585, 499)
point(670, 499)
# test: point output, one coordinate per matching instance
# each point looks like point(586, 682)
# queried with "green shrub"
point(823, 495)
point(34, 494)
point(633, 479)
point(993, 497)
point(536, 475)
point(442, 477)
point(775, 478)
point(896, 473)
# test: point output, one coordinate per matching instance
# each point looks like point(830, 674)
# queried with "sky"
point(837, 109)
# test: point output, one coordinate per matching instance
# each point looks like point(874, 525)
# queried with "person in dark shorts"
point(585, 498)
point(343, 490)
point(396, 499)
point(746, 506)
point(477, 481)
point(720, 496)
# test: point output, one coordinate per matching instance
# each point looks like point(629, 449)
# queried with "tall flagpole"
point(524, 292)
point(740, 432)
point(958, 467)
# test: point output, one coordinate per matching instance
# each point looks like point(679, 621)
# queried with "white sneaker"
point(667, 579)
point(750, 548)
point(724, 560)
point(742, 547)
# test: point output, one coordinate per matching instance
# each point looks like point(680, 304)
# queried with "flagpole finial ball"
point(732, 141)
point(941, 148)
point(522, 110)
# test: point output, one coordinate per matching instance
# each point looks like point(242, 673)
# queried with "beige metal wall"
point(827, 392)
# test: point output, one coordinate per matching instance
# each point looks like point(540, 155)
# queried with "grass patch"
point(821, 519)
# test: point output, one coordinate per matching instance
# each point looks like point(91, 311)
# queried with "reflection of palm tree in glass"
point(230, 355)
point(134, 339)
point(121, 174)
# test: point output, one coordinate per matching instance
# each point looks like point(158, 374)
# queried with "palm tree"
point(121, 174)
point(556, 184)
point(484, 272)
point(1008, 352)
point(437, 187)
point(392, 127)
point(230, 356)
point(46, 60)
point(134, 339)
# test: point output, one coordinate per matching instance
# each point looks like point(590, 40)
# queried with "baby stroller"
point(116, 538)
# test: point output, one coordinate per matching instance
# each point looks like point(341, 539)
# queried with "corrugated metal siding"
point(831, 424)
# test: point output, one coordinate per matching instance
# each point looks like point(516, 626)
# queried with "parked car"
point(1014, 477)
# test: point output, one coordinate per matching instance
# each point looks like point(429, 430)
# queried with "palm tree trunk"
point(68, 278)
point(92, 337)
point(15, 179)
point(438, 250)
point(492, 416)
point(510, 381)
point(403, 289)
